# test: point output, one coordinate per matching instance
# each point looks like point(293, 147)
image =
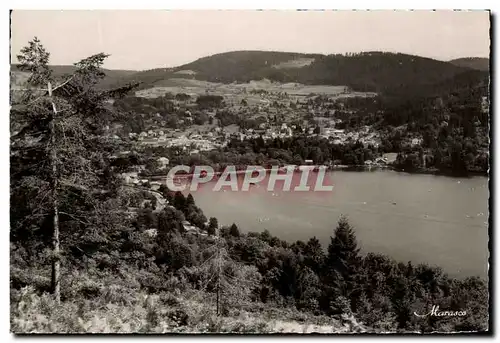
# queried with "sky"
point(147, 39)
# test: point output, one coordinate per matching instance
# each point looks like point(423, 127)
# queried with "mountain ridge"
point(14, 66)
point(375, 71)
point(392, 74)
point(479, 63)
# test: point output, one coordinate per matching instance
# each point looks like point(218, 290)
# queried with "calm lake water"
point(423, 218)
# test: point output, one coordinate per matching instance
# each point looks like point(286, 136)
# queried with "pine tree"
point(190, 200)
point(61, 181)
point(234, 231)
point(232, 283)
point(314, 256)
point(342, 264)
point(180, 201)
point(212, 226)
point(343, 251)
point(169, 221)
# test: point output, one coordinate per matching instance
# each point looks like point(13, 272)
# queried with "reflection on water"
point(423, 218)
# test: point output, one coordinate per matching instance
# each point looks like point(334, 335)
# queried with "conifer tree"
point(234, 231)
point(343, 250)
point(342, 264)
point(61, 181)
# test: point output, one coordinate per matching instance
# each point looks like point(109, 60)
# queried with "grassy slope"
point(103, 302)
point(162, 313)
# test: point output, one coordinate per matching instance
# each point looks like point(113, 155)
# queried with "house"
point(155, 185)
point(485, 105)
point(151, 232)
point(163, 162)
point(129, 178)
point(416, 141)
point(188, 227)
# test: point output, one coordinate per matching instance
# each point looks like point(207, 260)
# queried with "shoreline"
point(428, 171)
point(365, 168)
point(438, 172)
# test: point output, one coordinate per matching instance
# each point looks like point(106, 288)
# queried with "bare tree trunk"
point(217, 306)
point(218, 275)
point(56, 263)
point(219, 269)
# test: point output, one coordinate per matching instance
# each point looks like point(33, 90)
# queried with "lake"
point(438, 220)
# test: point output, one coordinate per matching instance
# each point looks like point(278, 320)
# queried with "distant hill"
point(391, 74)
point(243, 66)
point(59, 70)
point(112, 76)
point(387, 73)
point(479, 63)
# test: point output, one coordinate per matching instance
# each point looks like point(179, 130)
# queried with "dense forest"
point(457, 157)
point(479, 63)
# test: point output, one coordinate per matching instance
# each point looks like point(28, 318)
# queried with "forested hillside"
point(479, 63)
point(386, 73)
